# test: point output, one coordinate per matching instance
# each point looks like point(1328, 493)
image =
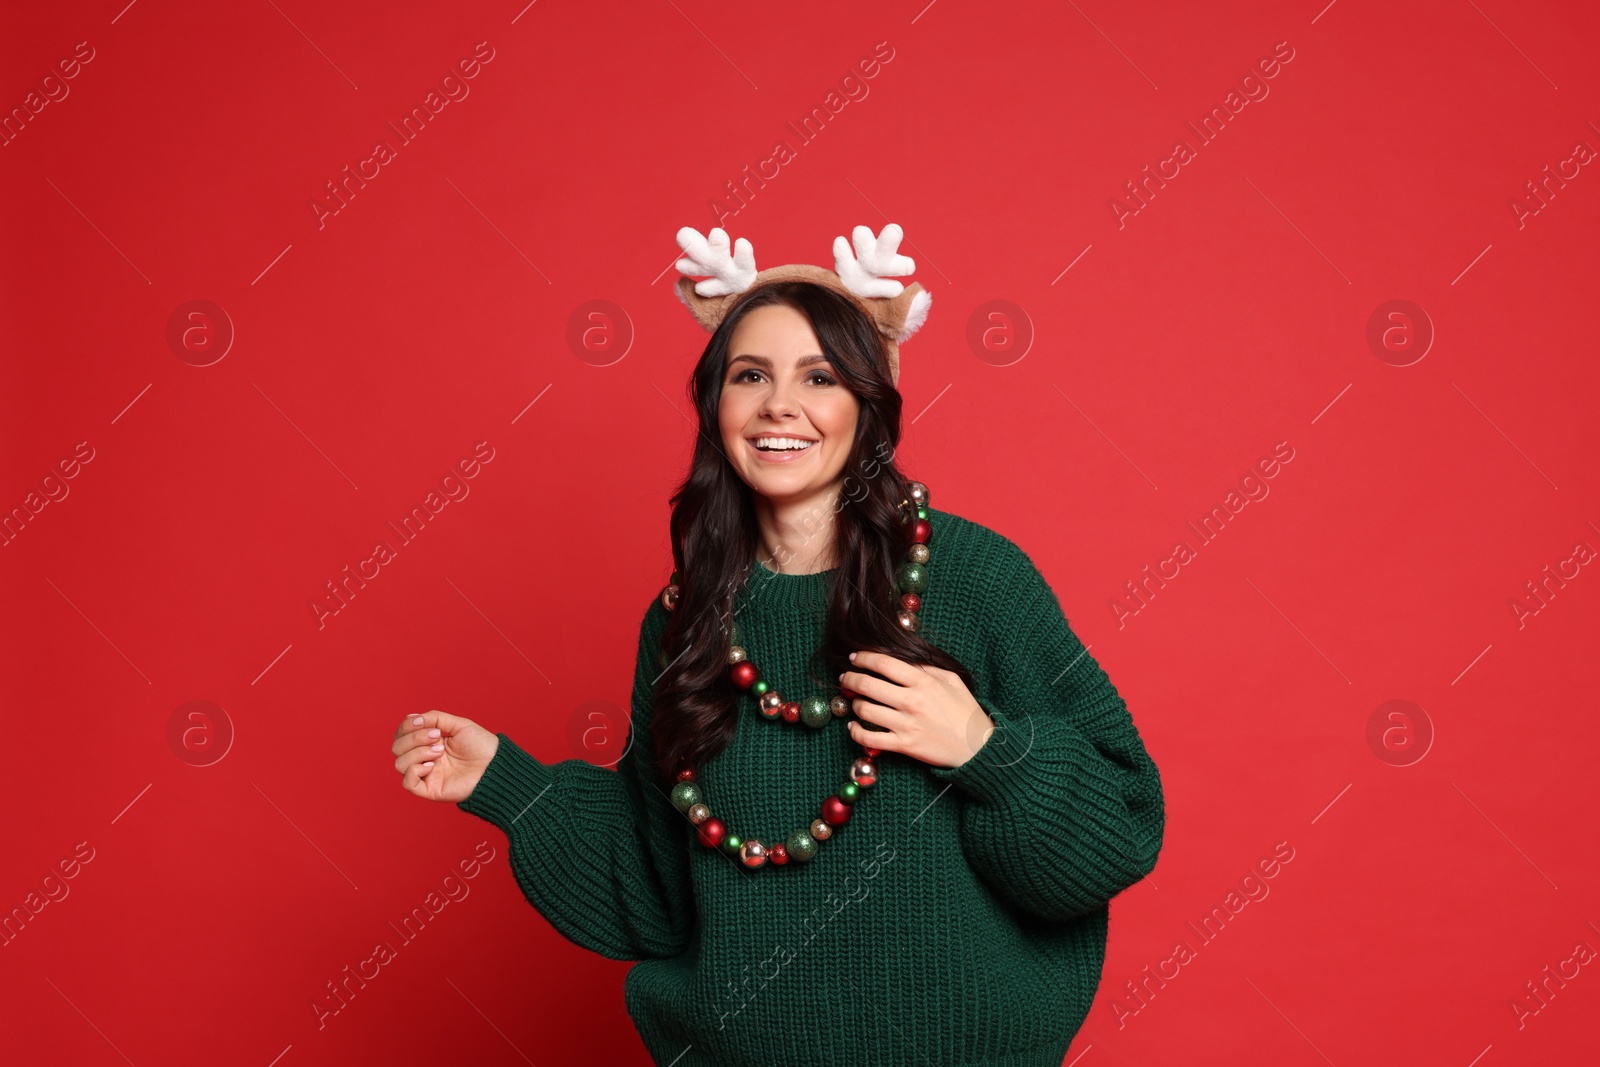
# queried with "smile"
point(774, 449)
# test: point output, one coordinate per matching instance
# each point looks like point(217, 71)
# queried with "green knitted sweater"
point(959, 916)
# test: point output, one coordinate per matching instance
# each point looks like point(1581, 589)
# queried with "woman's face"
point(778, 389)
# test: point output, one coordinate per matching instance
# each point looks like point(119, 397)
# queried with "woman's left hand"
point(928, 712)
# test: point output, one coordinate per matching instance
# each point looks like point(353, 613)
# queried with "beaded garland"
point(802, 845)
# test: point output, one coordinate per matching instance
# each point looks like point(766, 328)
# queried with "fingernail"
point(438, 748)
point(433, 733)
point(417, 721)
point(852, 657)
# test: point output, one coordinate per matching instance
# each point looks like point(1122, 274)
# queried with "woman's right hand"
point(442, 756)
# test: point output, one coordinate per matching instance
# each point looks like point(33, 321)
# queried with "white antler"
point(867, 273)
point(729, 273)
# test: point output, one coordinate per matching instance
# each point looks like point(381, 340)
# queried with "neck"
point(797, 536)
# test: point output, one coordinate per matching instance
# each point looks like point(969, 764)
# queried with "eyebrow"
point(763, 361)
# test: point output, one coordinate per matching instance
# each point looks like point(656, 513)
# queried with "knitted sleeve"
point(601, 854)
point(1063, 807)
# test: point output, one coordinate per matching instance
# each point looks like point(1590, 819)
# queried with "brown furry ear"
point(707, 310)
point(902, 316)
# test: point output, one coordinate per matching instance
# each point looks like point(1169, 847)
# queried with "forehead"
point(773, 329)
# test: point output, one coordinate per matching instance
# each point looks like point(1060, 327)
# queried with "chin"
point(780, 488)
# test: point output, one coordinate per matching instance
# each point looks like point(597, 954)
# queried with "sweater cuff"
point(994, 772)
point(510, 785)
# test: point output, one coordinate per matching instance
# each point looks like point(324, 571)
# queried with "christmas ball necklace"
point(815, 712)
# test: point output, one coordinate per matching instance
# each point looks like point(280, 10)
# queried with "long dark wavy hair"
point(715, 536)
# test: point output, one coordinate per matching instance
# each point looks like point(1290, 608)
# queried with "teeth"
point(782, 444)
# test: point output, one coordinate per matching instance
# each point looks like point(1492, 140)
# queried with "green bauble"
point(732, 843)
point(677, 579)
point(815, 713)
point(912, 578)
point(848, 792)
point(736, 635)
point(801, 846)
point(761, 685)
point(685, 795)
point(922, 513)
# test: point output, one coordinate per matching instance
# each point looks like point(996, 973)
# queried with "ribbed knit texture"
point(958, 918)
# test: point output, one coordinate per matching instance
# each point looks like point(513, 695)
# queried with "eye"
point(822, 377)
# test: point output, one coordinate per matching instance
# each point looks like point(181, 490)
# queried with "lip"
point(781, 457)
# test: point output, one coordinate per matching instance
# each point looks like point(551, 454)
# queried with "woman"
point(877, 795)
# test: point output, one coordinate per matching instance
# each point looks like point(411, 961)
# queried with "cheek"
point(730, 420)
point(838, 419)
point(838, 422)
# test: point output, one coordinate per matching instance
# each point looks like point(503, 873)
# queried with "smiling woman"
point(787, 421)
point(975, 735)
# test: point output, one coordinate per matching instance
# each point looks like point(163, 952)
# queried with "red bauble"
point(790, 711)
point(712, 832)
point(778, 854)
point(872, 753)
point(921, 530)
point(743, 674)
point(911, 602)
point(686, 775)
point(835, 812)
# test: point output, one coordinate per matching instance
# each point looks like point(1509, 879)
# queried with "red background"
point(373, 351)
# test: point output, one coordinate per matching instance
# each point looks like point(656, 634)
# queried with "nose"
point(777, 403)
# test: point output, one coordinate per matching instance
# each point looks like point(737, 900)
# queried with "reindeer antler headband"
point(867, 277)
